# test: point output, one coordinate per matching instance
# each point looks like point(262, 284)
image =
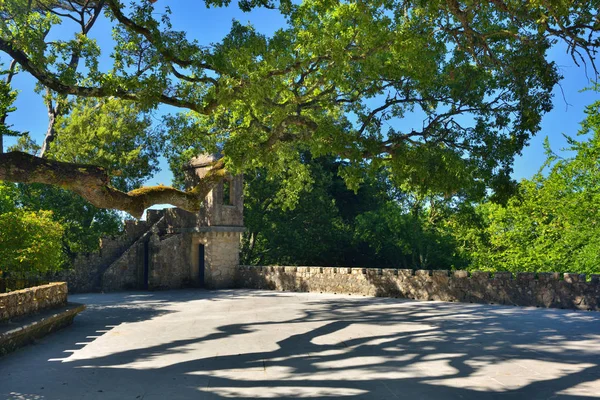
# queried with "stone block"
point(502, 276)
point(548, 276)
point(405, 273)
point(525, 276)
point(461, 274)
point(28, 301)
point(574, 278)
point(421, 273)
point(523, 290)
point(27, 329)
point(480, 275)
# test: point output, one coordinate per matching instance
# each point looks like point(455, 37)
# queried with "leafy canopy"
point(30, 242)
point(552, 222)
point(346, 79)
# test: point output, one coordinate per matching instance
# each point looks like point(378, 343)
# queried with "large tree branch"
point(93, 183)
point(49, 80)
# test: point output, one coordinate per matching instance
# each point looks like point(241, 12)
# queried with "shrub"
point(30, 243)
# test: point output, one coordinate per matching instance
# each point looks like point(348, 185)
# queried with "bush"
point(30, 243)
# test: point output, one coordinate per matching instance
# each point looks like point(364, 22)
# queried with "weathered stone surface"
point(29, 301)
point(27, 329)
point(525, 290)
point(162, 252)
point(169, 262)
point(222, 252)
point(127, 271)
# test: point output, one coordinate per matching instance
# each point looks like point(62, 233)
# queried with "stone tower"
point(216, 235)
point(173, 248)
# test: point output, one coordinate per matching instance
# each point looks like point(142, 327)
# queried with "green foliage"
point(316, 231)
point(552, 222)
point(549, 225)
point(8, 197)
point(331, 225)
point(110, 133)
point(83, 223)
point(30, 243)
point(7, 98)
point(339, 79)
point(408, 239)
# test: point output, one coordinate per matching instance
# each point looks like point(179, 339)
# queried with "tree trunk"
point(9, 76)
point(50, 132)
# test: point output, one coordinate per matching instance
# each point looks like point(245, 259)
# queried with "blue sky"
point(210, 25)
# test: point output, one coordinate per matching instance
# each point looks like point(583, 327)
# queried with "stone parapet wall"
point(523, 289)
point(29, 301)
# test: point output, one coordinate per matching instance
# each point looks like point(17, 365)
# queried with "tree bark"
point(50, 131)
point(93, 183)
point(8, 80)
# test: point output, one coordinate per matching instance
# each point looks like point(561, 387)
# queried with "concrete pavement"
point(258, 344)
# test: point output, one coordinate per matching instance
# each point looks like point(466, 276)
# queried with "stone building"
point(173, 248)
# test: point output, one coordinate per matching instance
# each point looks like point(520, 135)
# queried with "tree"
point(337, 80)
point(378, 226)
point(30, 241)
point(104, 132)
point(7, 98)
point(319, 228)
point(552, 222)
point(83, 224)
point(415, 237)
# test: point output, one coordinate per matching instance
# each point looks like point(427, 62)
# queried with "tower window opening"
point(227, 200)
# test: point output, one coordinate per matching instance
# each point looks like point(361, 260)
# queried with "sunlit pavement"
point(195, 344)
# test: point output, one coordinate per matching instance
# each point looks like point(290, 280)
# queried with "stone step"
point(22, 331)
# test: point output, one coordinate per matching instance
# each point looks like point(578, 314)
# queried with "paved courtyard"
point(194, 344)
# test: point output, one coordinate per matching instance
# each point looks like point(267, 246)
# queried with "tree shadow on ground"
point(340, 347)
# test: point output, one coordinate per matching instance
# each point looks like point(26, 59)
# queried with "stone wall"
point(222, 257)
point(170, 262)
point(86, 271)
point(524, 289)
point(31, 300)
point(126, 273)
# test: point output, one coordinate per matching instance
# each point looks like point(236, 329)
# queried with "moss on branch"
point(93, 184)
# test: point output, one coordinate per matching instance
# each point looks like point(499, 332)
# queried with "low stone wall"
point(524, 289)
point(28, 301)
